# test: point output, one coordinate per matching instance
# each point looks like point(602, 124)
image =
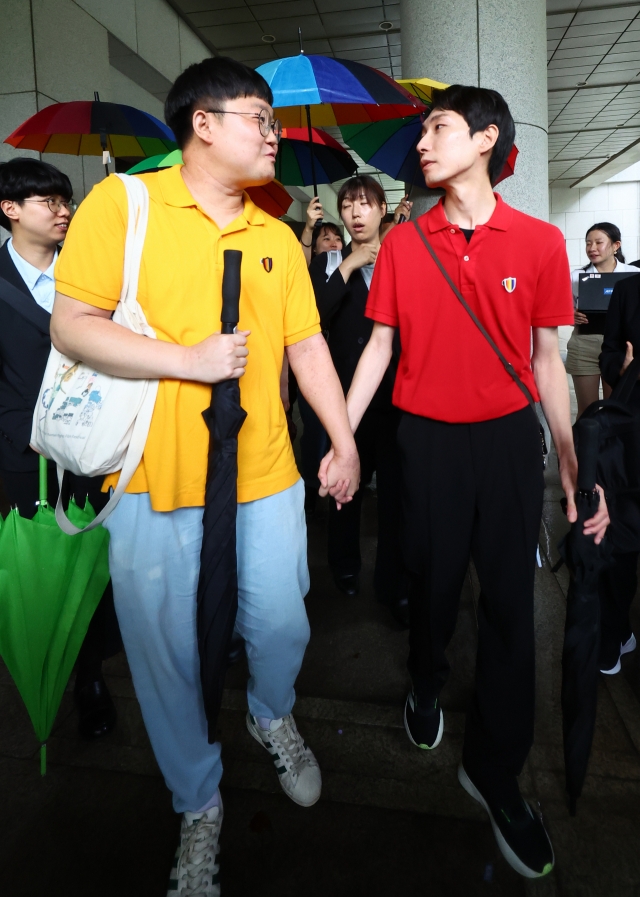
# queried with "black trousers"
point(103, 636)
point(475, 490)
point(617, 589)
point(376, 440)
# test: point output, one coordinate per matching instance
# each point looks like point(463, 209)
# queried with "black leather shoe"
point(96, 711)
point(348, 583)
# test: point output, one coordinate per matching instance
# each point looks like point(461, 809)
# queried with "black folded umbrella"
point(580, 653)
point(218, 581)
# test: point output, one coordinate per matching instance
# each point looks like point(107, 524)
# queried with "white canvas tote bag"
point(92, 423)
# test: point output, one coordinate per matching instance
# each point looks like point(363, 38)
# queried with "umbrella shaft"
point(229, 328)
point(313, 165)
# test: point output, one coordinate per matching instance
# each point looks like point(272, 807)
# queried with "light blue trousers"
point(154, 559)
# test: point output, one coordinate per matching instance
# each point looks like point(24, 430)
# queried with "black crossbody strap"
point(506, 364)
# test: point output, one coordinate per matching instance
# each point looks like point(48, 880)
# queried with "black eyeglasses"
point(55, 204)
point(265, 125)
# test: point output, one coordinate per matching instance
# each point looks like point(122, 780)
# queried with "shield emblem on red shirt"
point(509, 283)
point(267, 264)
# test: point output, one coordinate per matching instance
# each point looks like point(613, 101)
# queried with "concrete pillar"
point(499, 44)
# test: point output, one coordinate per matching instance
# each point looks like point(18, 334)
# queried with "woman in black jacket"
point(341, 282)
point(618, 585)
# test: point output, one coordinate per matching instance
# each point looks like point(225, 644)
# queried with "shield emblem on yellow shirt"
point(509, 283)
point(267, 264)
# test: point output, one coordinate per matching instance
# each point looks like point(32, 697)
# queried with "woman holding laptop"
point(603, 247)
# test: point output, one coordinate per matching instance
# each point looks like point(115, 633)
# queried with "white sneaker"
point(295, 764)
point(626, 648)
point(196, 872)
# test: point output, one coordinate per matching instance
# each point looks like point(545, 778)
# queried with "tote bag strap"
point(138, 216)
point(509, 368)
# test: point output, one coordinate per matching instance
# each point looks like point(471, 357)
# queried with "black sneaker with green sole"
point(520, 833)
point(424, 725)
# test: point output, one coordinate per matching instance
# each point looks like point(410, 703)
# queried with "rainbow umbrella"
point(391, 145)
point(272, 198)
point(340, 91)
point(332, 162)
point(93, 128)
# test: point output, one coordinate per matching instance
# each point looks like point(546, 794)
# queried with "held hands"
point(221, 356)
point(339, 476)
point(598, 524)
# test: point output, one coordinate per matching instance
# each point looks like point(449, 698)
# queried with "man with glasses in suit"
point(36, 206)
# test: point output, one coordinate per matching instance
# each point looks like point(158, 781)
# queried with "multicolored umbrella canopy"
point(422, 88)
point(331, 161)
point(271, 198)
point(391, 145)
point(88, 128)
point(339, 90)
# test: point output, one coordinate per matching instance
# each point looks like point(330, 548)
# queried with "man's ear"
point(488, 138)
point(201, 124)
point(10, 209)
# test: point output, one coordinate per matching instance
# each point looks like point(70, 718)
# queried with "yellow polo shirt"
point(180, 293)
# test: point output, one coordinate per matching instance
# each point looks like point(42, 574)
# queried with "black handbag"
point(509, 368)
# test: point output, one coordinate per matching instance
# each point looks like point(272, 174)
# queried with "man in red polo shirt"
point(471, 475)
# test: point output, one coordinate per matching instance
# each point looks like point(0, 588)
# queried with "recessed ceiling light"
point(385, 26)
point(269, 38)
point(579, 84)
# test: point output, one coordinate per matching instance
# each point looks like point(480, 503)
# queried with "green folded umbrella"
point(50, 586)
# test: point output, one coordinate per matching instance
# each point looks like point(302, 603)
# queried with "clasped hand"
point(221, 356)
point(339, 476)
point(597, 525)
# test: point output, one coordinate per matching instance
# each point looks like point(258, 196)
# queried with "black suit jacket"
point(341, 306)
point(24, 350)
point(622, 324)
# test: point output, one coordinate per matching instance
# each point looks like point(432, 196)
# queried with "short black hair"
point(481, 107)
point(215, 80)
point(25, 177)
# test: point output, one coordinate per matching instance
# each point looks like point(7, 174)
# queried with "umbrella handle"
point(231, 290)
point(42, 480)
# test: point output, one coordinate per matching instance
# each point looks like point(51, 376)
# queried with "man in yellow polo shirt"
point(221, 113)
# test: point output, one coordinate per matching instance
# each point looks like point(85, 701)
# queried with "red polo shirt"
point(514, 273)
